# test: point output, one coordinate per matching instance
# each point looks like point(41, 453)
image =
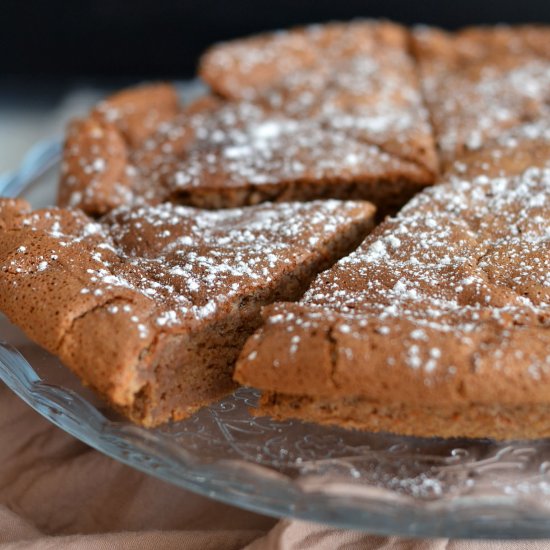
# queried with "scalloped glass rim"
point(381, 483)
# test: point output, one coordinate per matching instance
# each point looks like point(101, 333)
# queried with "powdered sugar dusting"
point(359, 120)
point(187, 264)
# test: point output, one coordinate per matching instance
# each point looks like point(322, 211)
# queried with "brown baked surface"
point(150, 305)
point(350, 124)
point(439, 324)
point(483, 82)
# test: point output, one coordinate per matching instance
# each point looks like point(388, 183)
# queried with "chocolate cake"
point(150, 305)
point(438, 325)
point(349, 123)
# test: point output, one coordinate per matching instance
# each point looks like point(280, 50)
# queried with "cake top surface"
point(510, 153)
point(247, 144)
point(462, 251)
point(480, 43)
point(191, 264)
point(359, 85)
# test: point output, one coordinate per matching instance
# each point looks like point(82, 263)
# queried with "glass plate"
point(377, 482)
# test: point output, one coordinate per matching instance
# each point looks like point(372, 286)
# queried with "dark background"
point(67, 39)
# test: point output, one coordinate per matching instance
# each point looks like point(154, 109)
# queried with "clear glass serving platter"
point(376, 482)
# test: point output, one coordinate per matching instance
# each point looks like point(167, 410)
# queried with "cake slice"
point(438, 325)
point(150, 305)
point(348, 124)
point(482, 82)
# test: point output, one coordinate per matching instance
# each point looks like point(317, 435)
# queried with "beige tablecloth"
point(57, 493)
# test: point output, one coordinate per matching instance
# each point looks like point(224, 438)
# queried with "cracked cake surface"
point(150, 304)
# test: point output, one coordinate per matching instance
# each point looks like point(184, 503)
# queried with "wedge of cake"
point(481, 83)
point(438, 325)
point(150, 305)
point(348, 124)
